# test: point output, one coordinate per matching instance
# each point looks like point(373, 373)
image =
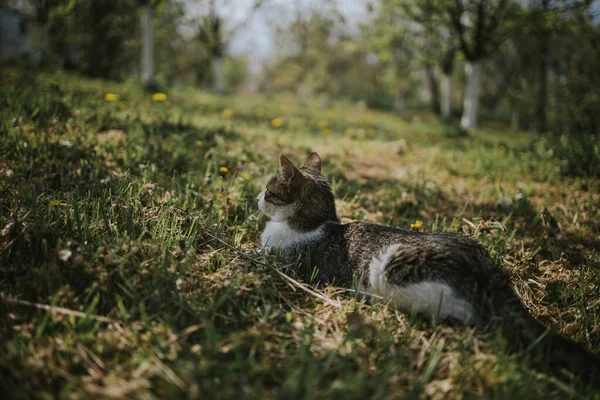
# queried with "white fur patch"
point(276, 213)
point(428, 297)
point(279, 234)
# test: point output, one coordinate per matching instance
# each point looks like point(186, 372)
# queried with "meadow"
point(129, 238)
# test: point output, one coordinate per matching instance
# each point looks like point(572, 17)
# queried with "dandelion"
point(371, 132)
point(223, 170)
point(417, 225)
point(326, 131)
point(323, 124)
point(111, 97)
point(227, 113)
point(277, 122)
point(55, 203)
point(199, 143)
point(159, 97)
point(245, 176)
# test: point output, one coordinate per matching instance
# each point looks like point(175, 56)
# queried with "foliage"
point(575, 155)
point(236, 72)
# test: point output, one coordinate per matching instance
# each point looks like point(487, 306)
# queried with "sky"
point(256, 32)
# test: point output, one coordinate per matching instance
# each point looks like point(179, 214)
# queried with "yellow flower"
point(502, 149)
point(371, 132)
point(111, 97)
point(277, 122)
point(55, 203)
point(323, 124)
point(417, 225)
point(199, 143)
point(223, 170)
point(159, 97)
point(245, 176)
point(227, 113)
point(326, 131)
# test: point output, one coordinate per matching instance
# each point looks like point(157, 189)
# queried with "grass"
point(118, 228)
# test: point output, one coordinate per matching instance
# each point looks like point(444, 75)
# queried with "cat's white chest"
point(278, 234)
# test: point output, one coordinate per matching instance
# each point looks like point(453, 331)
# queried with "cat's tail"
point(526, 334)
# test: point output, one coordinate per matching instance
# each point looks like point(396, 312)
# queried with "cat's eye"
point(270, 196)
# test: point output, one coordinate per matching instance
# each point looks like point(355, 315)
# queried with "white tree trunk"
point(446, 100)
point(147, 45)
point(219, 84)
point(514, 117)
point(399, 103)
point(469, 116)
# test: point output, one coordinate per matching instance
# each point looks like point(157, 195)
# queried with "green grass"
point(119, 275)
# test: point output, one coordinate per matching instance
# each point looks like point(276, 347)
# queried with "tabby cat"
point(449, 276)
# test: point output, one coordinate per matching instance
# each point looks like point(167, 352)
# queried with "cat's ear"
point(313, 163)
point(286, 168)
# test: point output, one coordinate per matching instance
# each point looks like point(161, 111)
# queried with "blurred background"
point(135, 136)
point(528, 64)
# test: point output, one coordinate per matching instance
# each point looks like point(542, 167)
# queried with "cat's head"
point(301, 196)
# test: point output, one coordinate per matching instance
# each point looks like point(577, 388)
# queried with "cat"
point(448, 276)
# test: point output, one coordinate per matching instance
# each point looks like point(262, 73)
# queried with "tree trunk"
point(469, 116)
point(514, 116)
point(147, 46)
point(446, 101)
point(219, 78)
point(399, 103)
point(542, 101)
point(433, 88)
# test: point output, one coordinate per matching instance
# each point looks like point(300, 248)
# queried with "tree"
point(147, 31)
point(147, 44)
point(393, 35)
point(546, 21)
point(437, 47)
point(210, 34)
point(477, 25)
point(52, 34)
point(214, 38)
